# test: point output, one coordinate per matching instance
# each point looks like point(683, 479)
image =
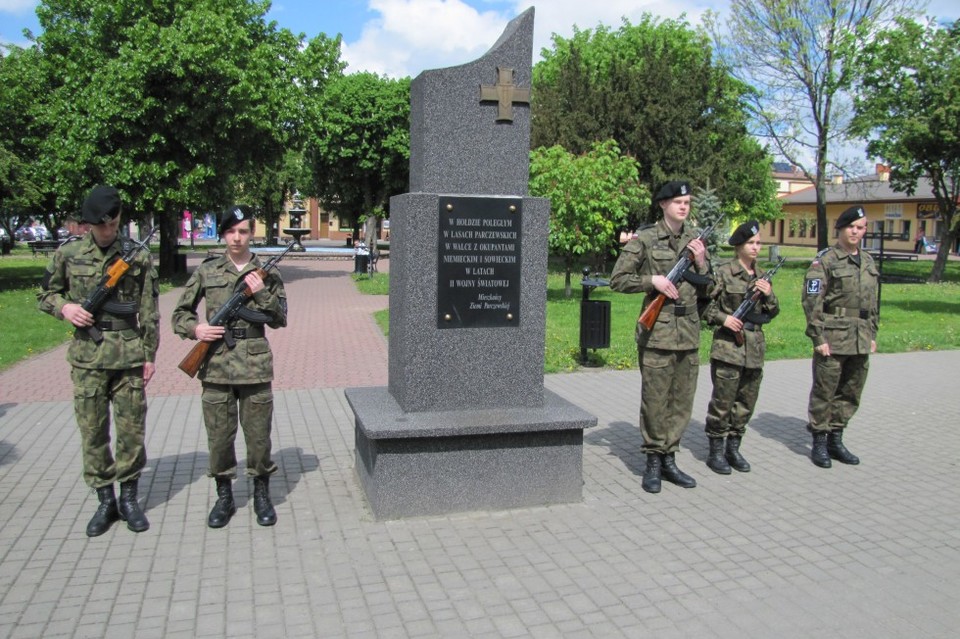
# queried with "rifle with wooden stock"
point(650, 314)
point(99, 299)
point(750, 302)
point(233, 309)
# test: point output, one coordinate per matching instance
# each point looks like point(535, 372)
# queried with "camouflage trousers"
point(669, 383)
point(93, 393)
point(838, 382)
point(735, 392)
point(250, 405)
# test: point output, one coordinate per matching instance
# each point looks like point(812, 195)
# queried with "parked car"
point(25, 234)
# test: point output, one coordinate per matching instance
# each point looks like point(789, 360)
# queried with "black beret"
point(233, 216)
point(101, 205)
point(744, 232)
point(670, 190)
point(850, 216)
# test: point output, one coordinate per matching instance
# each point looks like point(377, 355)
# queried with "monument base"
point(438, 462)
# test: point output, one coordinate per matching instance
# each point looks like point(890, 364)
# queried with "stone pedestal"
point(465, 422)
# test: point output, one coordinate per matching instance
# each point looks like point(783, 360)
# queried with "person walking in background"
point(840, 302)
point(668, 357)
point(736, 356)
point(116, 370)
point(236, 381)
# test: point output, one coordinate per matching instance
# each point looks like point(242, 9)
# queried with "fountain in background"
point(295, 231)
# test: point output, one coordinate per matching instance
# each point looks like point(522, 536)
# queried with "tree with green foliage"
point(707, 209)
point(655, 88)
point(591, 197)
point(796, 55)
point(908, 107)
point(168, 101)
point(359, 151)
point(21, 85)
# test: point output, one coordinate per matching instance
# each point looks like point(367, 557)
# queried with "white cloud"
point(412, 35)
point(17, 6)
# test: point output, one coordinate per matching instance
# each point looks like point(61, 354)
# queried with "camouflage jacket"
point(73, 274)
point(732, 285)
point(651, 254)
point(840, 301)
point(215, 280)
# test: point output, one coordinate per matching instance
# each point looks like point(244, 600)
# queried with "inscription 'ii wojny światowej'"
point(479, 262)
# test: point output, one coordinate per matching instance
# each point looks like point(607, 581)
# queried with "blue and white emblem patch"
point(813, 287)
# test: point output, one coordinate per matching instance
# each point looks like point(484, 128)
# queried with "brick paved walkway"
point(788, 550)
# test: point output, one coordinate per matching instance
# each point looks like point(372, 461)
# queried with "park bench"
point(894, 257)
point(42, 247)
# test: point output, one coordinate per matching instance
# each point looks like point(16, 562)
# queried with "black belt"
point(843, 311)
point(251, 332)
point(679, 309)
point(750, 326)
point(109, 325)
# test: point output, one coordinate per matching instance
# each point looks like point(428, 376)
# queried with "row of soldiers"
point(113, 355)
point(839, 300)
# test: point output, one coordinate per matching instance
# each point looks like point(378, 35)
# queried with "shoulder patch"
point(814, 287)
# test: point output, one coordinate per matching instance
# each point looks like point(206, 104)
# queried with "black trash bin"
point(360, 263)
point(594, 318)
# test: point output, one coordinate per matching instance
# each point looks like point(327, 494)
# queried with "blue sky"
point(404, 37)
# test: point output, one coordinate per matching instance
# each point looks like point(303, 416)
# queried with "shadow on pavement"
point(789, 431)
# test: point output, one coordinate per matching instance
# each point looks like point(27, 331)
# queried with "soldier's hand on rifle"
point(699, 251)
point(206, 333)
point(763, 286)
point(733, 324)
point(665, 286)
point(76, 315)
point(253, 282)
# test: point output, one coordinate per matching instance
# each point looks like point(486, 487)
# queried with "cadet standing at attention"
point(668, 357)
point(113, 367)
point(236, 381)
point(736, 356)
point(840, 302)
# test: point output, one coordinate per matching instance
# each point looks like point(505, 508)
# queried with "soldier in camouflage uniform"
point(840, 302)
point(236, 382)
point(115, 370)
point(668, 357)
point(736, 371)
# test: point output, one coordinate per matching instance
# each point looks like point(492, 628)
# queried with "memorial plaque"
point(479, 262)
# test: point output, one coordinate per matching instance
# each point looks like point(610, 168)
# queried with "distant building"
point(789, 179)
point(322, 224)
point(887, 210)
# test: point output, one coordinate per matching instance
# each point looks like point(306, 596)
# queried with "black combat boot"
point(838, 451)
point(129, 508)
point(733, 455)
point(818, 454)
point(674, 475)
point(715, 460)
point(651, 476)
point(225, 507)
point(106, 513)
point(266, 515)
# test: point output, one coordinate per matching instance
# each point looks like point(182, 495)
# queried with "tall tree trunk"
point(169, 231)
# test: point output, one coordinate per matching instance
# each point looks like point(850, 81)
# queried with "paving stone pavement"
point(787, 550)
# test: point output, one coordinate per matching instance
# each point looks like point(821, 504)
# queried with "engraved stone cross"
point(506, 93)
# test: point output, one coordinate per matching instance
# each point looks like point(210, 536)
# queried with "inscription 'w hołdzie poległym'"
point(479, 263)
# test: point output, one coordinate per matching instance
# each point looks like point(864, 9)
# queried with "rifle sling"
point(696, 279)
